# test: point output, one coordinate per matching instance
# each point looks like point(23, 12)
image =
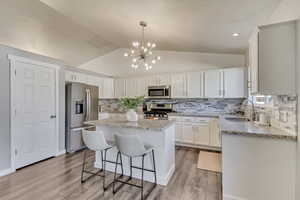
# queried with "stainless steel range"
point(157, 110)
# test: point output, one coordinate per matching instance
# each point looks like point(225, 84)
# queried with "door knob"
point(52, 116)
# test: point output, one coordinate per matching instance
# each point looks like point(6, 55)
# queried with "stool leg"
point(154, 169)
point(142, 185)
point(115, 175)
point(103, 167)
point(130, 160)
point(83, 165)
point(121, 163)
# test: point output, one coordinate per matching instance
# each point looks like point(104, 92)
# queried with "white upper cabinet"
point(234, 83)
point(277, 58)
point(120, 86)
point(142, 87)
point(178, 84)
point(131, 87)
point(151, 81)
point(72, 76)
point(106, 88)
point(213, 84)
point(164, 79)
point(195, 83)
point(225, 83)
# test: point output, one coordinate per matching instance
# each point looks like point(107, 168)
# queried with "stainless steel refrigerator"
point(81, 106)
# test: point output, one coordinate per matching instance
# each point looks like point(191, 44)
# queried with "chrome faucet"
point(253, 112)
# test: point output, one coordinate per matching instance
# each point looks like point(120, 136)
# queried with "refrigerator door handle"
point(88, 104)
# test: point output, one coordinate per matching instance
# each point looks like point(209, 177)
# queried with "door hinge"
point(15, 72)
point(16, 151)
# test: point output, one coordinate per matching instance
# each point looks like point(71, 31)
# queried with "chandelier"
point(141, 52)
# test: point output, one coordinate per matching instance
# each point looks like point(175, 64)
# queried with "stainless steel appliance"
point(163, 91)
point(81, 106)
point(157, 110)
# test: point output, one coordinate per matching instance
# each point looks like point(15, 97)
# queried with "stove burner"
point(156, 115)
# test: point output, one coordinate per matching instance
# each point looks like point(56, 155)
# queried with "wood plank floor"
point(59, 179)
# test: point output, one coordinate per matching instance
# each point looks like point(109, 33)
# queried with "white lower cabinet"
point(178, 131)
point(201, 134)
point(187, 133)
point(197, 132)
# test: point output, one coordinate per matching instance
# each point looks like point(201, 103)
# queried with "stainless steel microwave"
point(163, 91)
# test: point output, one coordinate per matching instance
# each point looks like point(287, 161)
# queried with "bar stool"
point(132, 146)
point(95, 141)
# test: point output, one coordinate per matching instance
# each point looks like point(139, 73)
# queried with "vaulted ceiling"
point(78, 31)
point(180, 25)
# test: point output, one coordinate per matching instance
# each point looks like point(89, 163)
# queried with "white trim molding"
point(59, 153)
point(6, 171)
point(35, 62)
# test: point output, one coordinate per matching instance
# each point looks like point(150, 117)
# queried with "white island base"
point(163, 141)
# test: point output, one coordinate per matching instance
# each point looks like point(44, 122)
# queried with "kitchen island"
point(158, 133)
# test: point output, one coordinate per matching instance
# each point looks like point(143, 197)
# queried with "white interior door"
point(34, 124)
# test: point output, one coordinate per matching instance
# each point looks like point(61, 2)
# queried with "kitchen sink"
point(237, 119)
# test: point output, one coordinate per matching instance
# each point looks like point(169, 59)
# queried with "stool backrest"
point(130, 145)
point(94, 140)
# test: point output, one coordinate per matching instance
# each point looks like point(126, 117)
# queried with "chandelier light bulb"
point(141, 52)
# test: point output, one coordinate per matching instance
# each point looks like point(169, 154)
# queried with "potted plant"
point(131, 104)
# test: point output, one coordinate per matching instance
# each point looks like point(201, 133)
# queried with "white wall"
point(5, 102)
point(115, 64)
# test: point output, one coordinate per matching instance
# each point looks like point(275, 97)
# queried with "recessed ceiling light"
point(235, 34)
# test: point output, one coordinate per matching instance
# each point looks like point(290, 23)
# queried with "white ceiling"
point(32, 26)
point(180, 25)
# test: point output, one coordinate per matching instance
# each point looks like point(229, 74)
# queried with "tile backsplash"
point(281, 111)
point(220, 106)
point(183, 105)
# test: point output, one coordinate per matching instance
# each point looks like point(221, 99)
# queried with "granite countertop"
point(243, 128)
point(248, 128)
point(145, 124)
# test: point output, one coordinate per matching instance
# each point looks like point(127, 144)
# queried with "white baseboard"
point(166, 179)
point(6, 171)
point(60, 153)
point(230, 197)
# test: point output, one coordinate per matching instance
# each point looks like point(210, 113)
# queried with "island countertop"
point(145, 124)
